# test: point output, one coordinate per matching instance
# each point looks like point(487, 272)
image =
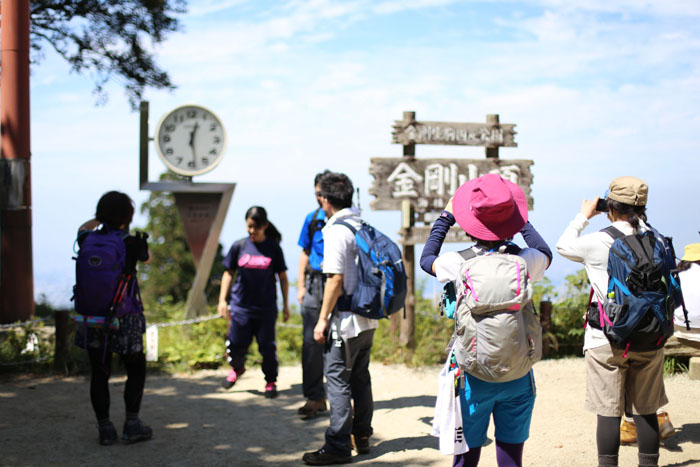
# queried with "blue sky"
point(597, 89)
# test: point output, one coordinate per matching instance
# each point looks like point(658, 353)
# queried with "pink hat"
point(490, 208)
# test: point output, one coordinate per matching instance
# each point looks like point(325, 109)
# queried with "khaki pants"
point(615, 384)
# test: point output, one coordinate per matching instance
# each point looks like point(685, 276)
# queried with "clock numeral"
point(213, 152)
point(180, 118)
point(179, 160)
point(205, 161)
point(191, 114)
point(217, 139)
point(190, 164)
point(212, 127)
point(166, 138)
point(169, 151)
point(170, 127)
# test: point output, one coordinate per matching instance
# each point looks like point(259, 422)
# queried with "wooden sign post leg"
point(407, 335)
point(492, 120)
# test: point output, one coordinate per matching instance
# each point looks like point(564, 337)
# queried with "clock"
point(190, 140)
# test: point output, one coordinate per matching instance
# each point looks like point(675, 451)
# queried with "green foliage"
point(568, 312)
point(169, 275)
point(202, 345)
point(673, 365)
point(26, 344)
point(107, 39)
point(193, 346)
point(432, 334)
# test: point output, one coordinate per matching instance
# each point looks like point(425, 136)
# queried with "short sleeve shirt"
point(314, 244)
point(340, 257)
point(254, 291)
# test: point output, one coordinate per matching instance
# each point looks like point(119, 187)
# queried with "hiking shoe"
point(231, 379)
point(666, 429)
point(270, 390)
point(628, 432)
point(323, 457)
point(312, 408)
point(361, 444)
point(108, 434)
point(135, 430)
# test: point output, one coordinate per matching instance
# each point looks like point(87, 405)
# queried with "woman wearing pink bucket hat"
point(492, 211)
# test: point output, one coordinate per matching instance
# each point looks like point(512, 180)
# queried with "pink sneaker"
point(231, 379)
point(271, 390)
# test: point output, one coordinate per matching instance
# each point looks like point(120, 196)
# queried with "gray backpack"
point(498, 336)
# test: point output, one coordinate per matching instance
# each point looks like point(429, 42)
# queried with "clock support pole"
point(202, 208)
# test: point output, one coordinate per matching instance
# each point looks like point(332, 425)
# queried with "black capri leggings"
point(135, 364)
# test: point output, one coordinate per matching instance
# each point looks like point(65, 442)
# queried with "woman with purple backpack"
point(112, 251)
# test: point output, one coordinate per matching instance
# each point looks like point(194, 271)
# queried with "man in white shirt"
point(348, 337)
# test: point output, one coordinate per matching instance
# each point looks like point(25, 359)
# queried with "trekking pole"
point(116, 300)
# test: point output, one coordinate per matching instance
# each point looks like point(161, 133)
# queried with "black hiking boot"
point(135, 430)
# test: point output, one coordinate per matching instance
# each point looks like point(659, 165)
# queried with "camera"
point(602, 205)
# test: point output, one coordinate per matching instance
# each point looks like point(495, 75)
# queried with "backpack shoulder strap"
point(314, 225)
point(469, 253)
point(352, 229)
point(614, 232)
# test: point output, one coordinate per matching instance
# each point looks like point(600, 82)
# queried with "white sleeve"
point(335, 249)
point(571, 245)
point(447, 266)
point(536, 263)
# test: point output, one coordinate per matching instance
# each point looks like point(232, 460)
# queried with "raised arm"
point(437, 235)
point(571, 245)
point(92, 224)
point(534, 240)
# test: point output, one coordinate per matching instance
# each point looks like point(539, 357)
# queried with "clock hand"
point(194, 154)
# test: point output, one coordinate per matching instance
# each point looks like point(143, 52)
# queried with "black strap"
point(613, 231)
point(314, 226)
point(469, 253)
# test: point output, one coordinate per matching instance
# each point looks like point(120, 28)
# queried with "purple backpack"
point(102, 285)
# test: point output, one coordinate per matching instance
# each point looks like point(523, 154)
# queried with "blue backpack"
point(381, 277)
point(643, 291)
point(104, 286)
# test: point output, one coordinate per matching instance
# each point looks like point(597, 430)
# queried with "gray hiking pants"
point(349, 389)
point(312, 351)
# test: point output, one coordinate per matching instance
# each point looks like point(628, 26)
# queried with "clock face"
point(190, 140)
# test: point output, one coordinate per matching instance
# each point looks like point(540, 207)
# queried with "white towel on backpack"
point(447, 422)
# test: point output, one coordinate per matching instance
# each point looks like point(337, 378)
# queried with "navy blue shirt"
point(254, 292)
point(313, 246)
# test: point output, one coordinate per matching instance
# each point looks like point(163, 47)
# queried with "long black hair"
point(259, 216)
point(633, 213)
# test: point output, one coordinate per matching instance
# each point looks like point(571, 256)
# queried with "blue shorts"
point(511, 404)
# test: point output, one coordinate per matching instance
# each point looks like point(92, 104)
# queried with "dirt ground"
point(49, 421)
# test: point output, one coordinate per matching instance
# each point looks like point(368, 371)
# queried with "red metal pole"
point(16, 272)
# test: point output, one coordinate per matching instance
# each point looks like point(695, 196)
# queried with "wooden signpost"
point(421, 188)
